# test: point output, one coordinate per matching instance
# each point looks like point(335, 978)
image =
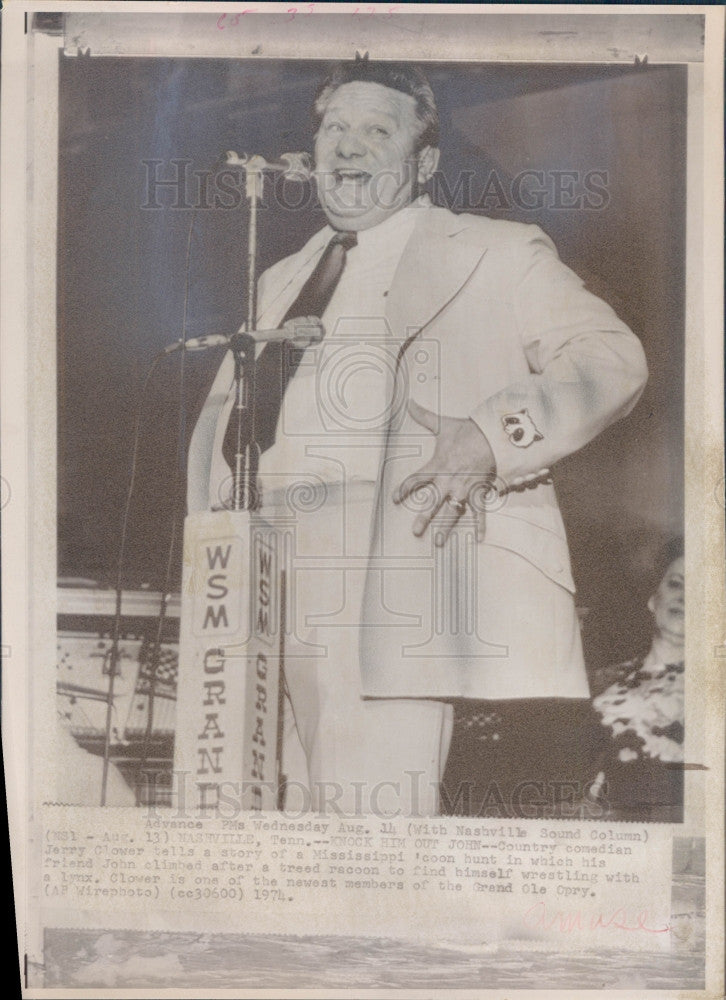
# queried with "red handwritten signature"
point(567, 921)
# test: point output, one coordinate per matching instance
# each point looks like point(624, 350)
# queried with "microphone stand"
point(253, 578)
point(246, 457)
point(246, 453)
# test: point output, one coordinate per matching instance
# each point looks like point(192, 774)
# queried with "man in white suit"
point(412, 449)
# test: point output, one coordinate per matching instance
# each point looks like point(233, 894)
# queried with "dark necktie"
point(279, 360)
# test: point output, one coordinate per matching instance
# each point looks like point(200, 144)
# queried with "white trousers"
point(342, 752)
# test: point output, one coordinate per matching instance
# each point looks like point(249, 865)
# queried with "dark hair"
point(672, 550)
point(405, 77)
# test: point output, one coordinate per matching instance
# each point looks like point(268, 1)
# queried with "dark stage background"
point(121, 278)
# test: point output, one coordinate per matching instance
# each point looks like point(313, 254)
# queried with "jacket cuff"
point(516, 443)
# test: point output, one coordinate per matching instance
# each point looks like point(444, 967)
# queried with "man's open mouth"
point(350, 176)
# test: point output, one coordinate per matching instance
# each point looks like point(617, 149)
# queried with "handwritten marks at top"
point(226, 21)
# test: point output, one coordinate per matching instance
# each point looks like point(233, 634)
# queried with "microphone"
point(300, 332)
point(198, 343)
point(292, 166)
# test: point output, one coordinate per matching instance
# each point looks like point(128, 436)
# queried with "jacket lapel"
point(280, 291)
point(420, 291)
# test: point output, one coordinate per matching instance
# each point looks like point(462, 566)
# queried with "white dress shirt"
point(336, 408)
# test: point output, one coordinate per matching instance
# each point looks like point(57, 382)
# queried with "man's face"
point(668, 602)
point(365, 166)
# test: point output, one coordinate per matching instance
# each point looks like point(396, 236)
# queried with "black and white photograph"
point(534, 383)
point(371, 425)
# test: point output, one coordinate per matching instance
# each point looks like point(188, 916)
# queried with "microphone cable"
point(116, 635)
point(181, 457)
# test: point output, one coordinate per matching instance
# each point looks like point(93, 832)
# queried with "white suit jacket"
point(487, 323)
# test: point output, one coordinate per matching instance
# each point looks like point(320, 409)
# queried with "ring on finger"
point(458, 505)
